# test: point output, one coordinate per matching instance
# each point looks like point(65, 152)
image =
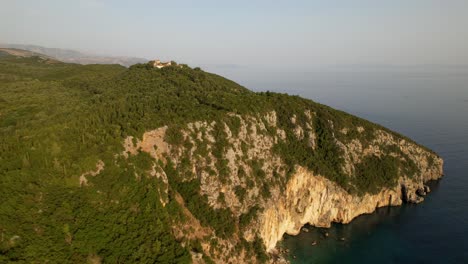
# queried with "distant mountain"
point(73, 56)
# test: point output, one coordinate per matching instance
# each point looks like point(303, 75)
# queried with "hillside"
point(73, 56)
point(104, 164)
point(23, 53)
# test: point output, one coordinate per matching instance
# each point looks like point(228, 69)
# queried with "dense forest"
point(58, 120)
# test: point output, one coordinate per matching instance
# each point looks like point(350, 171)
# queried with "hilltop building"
point(158, 64)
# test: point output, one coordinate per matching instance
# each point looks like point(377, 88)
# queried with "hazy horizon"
point(245, 34)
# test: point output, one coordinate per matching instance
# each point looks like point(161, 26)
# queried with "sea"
point(428, 103)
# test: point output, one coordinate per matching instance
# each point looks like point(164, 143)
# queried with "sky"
point(255, 33)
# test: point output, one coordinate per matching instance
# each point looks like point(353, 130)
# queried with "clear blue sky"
point(258, 33)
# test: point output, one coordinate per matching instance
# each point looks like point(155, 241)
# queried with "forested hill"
point(69, 195)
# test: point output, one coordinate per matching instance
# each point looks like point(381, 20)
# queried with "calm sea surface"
point(430, 105)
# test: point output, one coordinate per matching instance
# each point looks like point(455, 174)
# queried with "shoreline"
point(316, 236)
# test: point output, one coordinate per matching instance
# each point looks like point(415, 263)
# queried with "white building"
point(158, 64)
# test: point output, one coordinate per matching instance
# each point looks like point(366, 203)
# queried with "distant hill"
point(22, 53)
point(73, 56)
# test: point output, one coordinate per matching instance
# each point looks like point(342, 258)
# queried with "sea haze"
point(428, 104)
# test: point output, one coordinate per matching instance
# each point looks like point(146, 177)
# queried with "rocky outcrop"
point(99, 167)
point(246, 173)
point(315, 200)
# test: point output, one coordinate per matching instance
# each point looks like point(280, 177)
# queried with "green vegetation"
point(121, 221)
point(246, 218)
point(221, 220)
point(373, 173)
point(57, 120)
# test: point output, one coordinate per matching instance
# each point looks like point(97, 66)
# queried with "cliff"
point(176, 165)
point(314, 200)
point(306, 197)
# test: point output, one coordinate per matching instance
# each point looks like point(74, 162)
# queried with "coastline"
point(326, 238)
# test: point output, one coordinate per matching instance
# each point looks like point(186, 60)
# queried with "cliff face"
point(254, 176)
point(315, 200)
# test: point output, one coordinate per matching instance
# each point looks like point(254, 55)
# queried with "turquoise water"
point(430, 105)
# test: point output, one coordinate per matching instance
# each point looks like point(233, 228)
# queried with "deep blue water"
point(430, 105)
